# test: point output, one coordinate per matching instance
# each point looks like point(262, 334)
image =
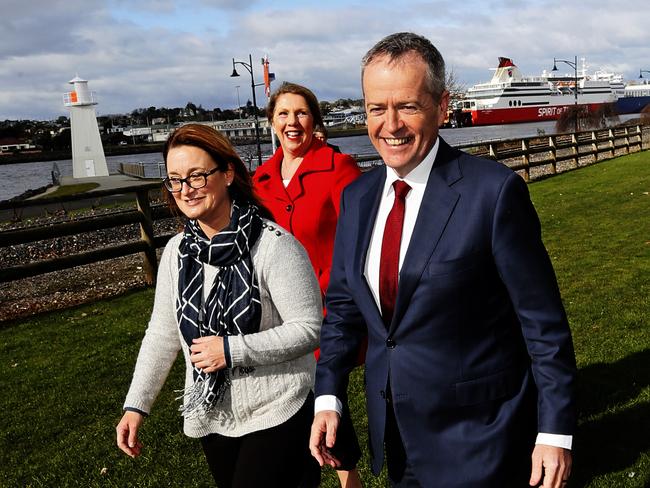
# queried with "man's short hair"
point(400, 44)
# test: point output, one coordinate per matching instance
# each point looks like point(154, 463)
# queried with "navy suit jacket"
point(479, 353)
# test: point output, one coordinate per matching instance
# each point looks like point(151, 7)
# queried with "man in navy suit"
point(439, 260)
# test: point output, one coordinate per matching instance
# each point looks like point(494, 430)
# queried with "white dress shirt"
point(417, 180)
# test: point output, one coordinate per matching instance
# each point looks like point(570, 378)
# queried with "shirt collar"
point(418, 177)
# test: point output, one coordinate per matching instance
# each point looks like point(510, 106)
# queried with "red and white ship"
point(510, 97)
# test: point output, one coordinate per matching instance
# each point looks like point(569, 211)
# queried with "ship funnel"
point(506, 71)
point(505, 62)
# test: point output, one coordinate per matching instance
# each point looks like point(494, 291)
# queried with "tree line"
point(54, 135)
point(197, 113)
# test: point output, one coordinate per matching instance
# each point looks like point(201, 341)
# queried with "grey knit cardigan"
point(281, 352)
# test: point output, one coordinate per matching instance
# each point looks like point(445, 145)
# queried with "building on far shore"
point(12, 145)
point(236, 130)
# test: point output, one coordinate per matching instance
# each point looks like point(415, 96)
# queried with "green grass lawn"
point(64, 375)
point(596, 227)
point(66, 190)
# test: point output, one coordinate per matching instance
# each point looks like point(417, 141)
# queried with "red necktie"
point(389, 264)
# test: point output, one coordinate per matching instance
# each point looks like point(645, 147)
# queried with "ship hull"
point(497, 116)
point(631, 105)
point(510, 98)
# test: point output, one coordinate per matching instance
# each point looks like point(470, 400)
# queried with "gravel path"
point(82, 284)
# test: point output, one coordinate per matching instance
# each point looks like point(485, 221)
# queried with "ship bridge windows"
point(528, 84)
point(486, 93)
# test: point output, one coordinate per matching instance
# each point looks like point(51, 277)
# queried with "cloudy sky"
point(141, 53)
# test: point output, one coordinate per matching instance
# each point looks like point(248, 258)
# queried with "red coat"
point(309, 206)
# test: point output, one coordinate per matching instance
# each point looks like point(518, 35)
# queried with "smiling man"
point(439, 261)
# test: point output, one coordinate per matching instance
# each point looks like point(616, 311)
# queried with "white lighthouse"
point(87, 151)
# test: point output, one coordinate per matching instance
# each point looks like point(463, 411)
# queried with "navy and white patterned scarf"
point(233, 304)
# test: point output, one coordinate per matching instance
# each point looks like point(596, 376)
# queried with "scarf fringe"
point(196, 400)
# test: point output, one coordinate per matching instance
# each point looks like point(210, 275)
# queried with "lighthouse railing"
point(70, 99)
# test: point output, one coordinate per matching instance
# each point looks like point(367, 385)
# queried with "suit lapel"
point(368, 207)
point(437, 205)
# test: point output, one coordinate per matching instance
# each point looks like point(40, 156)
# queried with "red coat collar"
point(319, 157)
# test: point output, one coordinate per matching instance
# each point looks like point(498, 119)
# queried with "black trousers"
point(400, 473)
point(276, 457)
point(346, 449)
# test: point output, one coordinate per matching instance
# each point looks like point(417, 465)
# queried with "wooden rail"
point(145, 215)
point(143, 170)
point(550, 154)
point(561, 152)
point(554, 154)
point(132, 169)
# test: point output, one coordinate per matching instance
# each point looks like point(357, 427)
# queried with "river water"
point(15, 179)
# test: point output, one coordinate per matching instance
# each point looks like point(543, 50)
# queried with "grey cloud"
point(230, 4)
point(132, 64)
point(36, 27)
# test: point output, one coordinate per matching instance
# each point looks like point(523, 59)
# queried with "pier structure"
point(88, 159)
point(355, 115)
point(236, 130)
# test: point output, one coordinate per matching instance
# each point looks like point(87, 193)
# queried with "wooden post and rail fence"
point(531, 157)
point(145, 215)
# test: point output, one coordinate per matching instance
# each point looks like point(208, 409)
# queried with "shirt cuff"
point(555, 440)
point(327, 402)
point(136, 410)
point(226, 352)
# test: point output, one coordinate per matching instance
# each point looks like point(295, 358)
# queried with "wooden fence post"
point(146, 233)
point(525, 158)
point(574, 148)
point(612, 144)
point(635, 137)
point(594, 145)
point(553, 154)
point(627, 141)
point(492, 151)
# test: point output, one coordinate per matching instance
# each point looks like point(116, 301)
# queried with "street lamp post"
point(238, 103)
point(249, 67)
point(574, 65)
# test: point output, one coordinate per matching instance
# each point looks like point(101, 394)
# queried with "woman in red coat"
point(301, 186)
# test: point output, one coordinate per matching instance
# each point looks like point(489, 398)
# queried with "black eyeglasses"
point(195, 180)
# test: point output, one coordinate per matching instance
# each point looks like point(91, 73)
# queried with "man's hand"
point(208, 354)
point(552, 465)
point(323, 437)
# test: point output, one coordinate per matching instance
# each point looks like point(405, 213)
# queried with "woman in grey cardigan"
point(237, 295)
